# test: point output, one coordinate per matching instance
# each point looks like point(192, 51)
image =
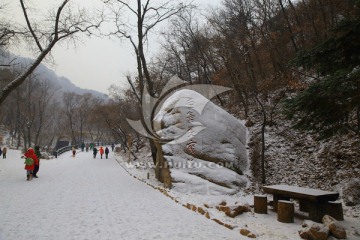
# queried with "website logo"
point(151, 106)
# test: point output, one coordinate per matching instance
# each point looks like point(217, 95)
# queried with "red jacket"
point(101, 150)
point(30, 153)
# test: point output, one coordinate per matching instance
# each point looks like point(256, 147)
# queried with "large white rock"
point(205, 136)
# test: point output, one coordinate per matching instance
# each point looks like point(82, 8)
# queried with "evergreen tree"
point(331, 104)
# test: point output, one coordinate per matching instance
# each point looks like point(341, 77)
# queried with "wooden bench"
point(315, 200)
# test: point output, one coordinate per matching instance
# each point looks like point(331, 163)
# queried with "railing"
point(63, 149)
point(68, 148)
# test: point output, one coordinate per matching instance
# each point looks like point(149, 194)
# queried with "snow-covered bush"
point(351, 192)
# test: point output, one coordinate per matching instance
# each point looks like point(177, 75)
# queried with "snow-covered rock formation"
point(207, 143)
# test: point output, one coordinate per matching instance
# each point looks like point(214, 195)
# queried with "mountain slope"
point(42, 72)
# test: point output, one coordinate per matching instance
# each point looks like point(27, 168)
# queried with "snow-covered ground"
point(264, 226)
point(96, 199)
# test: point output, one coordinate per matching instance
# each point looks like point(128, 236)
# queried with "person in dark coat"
point(106, 152)
point(37, 163)
point(4, 151)
point(95, 151)
point(112, 147)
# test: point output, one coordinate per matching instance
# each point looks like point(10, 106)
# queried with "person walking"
point(4, 151)
point(37, 163)
point(95, 151)
point(73, 151)
point(87, 147)
point(112, 147)
point(0, 152)
point(106, 152)
point(30, 159)
point(82, 146)
point(101, 150)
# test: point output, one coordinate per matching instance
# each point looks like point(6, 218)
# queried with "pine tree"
point(331, 105)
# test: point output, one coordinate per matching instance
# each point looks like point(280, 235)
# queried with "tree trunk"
point(263, 176)
point(335, 210)
point(162, 171)
point(285, 211)
point(311, 19)
point(260, 204)
point(358, 119)
point(288, 26)
point(153, 150)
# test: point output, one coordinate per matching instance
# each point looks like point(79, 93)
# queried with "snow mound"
point(206, 142)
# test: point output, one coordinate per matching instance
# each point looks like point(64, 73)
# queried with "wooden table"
point(313, 200)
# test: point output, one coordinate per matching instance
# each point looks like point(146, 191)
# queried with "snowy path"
point(94, 199)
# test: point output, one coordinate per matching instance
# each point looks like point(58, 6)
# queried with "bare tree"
point(187, 48)
point(25, 111)
point(288, 25)
point(66, 25)
point(43, 98)
point(96, 125)
point(114, 114)
point(7, 32)
point(87, 103)
point(72, 103)
point(149, 14)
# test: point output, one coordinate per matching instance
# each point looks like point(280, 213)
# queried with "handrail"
point(63, 149)
point(68, 148)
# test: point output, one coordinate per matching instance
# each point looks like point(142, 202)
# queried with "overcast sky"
point(95, 63)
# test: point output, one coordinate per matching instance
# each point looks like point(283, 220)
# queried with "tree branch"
point(29, 26)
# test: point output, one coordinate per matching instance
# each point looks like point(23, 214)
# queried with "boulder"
point(319, 232)
point(247, 233)
point(237, 210)
point(305, 233)
point(334, 227)
point(206, 142)
point(45, 155)
point(313, 231)
point(203, 130)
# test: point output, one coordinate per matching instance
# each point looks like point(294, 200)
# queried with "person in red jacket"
point(101, 150)
point(30, 165)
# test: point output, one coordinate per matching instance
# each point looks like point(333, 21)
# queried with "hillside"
point(64, 83)
point(61, 83)
point(303, 159)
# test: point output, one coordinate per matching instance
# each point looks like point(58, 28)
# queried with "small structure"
point(260, 204)
point(315, 201)
point(335, 210)
point(285, 211)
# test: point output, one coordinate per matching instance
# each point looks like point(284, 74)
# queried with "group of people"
point(32, 162)
point(32, 158)
point(3, 152)
point(95, 151)
point(87, 146)
point(101, 151)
